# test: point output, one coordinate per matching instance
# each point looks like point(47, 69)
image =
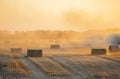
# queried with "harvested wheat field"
point(59, 39)
point(76, 66)
point(13, 68)
point(55, 66)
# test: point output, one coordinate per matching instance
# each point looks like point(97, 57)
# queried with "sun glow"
point(59, 14)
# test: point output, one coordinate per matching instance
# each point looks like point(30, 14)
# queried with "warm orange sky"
point(59, 14)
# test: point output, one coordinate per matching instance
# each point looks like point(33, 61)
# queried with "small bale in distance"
point(16, 50)
point(54, 46)
point(98, 51)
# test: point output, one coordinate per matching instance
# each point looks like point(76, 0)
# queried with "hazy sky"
point(59, 14)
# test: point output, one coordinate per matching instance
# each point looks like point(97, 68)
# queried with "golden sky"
point(59, 14)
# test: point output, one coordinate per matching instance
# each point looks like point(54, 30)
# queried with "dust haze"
point(66, 39)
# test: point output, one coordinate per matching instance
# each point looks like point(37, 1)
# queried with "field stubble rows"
point(57, 66)
point(75, 67)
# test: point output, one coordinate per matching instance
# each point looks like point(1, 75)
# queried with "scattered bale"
point(16, 50)
point(114, 48)
point(34, 53)
point(98, 51)
point(55, 46)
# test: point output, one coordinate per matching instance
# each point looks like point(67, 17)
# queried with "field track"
point(36, 72)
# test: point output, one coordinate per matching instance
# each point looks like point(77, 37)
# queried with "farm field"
point(86, 66)
point(76, 66)
point(13, 68)
point(58, 66)
point(115, 58)
point(59, 39)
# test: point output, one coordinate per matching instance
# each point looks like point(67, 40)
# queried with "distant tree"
point(114, 39)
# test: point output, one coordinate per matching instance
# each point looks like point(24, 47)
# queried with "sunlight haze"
point(76, 15)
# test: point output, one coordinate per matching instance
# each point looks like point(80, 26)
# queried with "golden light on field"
point(59, 14)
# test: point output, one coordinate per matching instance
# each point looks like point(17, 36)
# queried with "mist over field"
point(67, 39)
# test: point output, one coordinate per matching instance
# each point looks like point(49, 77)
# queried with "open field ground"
point(58, 66)
point(13, 68)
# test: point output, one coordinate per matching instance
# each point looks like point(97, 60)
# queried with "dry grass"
point(18, 67)
point(47, 69)
point(14, 55)
point(13, 66)
point(10, 55)
point(49, 66)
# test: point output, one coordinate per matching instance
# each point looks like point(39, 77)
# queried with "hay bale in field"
point(54, 46)
point(16, 50)
point(34, 53)
point(98, 51)
point(114, 48)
